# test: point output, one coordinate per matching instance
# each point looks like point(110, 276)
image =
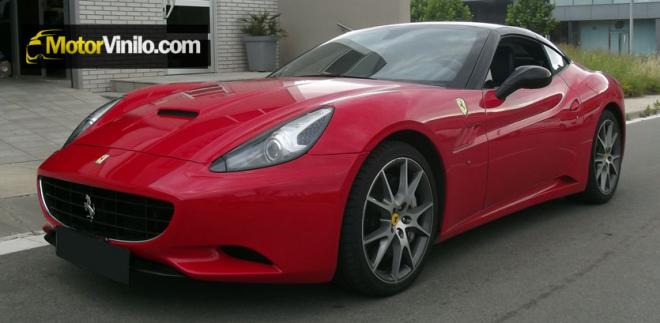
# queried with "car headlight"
point(91, 119)
point(277, 146)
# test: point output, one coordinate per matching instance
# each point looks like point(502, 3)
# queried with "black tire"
point(594, 194)
point(354, 270)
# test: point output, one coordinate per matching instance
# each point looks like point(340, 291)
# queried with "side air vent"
point(245, 254)
point(207, 90)
point(178, 113)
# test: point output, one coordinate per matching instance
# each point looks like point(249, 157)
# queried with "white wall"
point(308, 22)
point(311, 22)
point(230, 52)
point(120, 12)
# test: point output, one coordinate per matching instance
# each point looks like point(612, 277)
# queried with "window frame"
point(563, 58)
point(463, 77)
point(543, 44)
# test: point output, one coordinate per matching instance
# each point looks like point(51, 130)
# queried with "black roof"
point(482, 25)
point(502, 30)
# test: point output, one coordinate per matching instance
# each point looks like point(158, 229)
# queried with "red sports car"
point(348, 163)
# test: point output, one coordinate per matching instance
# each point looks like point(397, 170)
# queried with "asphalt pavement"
point(561, 261)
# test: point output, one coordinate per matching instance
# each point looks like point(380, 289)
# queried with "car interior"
point(511, 53)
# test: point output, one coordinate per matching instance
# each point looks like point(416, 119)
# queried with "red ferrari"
point(346, 164)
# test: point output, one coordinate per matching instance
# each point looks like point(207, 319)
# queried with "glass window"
point(432, 53)
point(513, 52)
point(557, 61)
point(185, 15)
point(563, 3)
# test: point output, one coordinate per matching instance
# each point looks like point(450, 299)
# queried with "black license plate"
point(93, 254)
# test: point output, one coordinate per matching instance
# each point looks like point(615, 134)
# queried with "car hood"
point(200, 121)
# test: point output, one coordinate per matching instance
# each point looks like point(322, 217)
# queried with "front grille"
point(115, 215)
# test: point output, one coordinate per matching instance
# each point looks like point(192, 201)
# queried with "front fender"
point(361, 124)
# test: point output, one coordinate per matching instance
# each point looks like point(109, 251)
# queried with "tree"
point(417, 8)
point(532, 14)
point(439, 10)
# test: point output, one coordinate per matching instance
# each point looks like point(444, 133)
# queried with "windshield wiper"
point(325, 74)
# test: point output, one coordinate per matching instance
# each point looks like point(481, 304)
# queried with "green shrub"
point(262, 24)
point(439, 10)
point(651, 111)
point(532, 14)
point(647, 112)
point(638, 75)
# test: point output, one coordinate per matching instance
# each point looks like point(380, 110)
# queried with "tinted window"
point(426, 53)
point(513, 52)
point(556, 61)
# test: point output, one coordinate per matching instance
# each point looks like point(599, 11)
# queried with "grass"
point(639, 75)
point(650, 111)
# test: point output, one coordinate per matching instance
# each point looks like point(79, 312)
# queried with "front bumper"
point(290, 214)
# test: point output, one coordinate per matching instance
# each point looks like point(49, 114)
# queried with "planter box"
point(5, 69)
point(261, 53)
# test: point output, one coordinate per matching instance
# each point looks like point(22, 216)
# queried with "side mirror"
point(524, 77)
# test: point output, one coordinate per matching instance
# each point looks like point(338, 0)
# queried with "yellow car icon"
point(36, 47)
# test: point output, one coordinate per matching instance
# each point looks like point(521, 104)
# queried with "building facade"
point(604, 24)
point(222, 16)
point(319, 20)
point(592, 24)
point(308, 23)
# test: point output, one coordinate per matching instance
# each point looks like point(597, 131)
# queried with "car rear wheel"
point(605, 165)
point(390, 222)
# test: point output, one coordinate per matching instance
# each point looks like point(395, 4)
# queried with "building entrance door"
point(191, 12)
point(619, 41)
point(17, 13)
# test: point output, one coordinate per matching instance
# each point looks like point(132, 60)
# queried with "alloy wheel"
point(397, 220)
point(607, 157)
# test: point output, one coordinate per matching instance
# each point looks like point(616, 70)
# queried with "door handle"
point(575, 106)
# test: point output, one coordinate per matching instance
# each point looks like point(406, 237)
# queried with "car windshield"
point(424, 53)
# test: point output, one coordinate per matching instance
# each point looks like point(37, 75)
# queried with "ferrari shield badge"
point(461, 105)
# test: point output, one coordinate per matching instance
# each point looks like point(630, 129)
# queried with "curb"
point(636, 115)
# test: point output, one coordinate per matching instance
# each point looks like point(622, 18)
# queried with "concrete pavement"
point(635, 106)
point(20, 214)
point(36, 117)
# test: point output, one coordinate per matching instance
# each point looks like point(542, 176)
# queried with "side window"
point(513, 52)
point(557, 61)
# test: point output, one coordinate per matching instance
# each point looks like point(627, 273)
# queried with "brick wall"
point(117, 12)
point(230, 52)
point(229, 49)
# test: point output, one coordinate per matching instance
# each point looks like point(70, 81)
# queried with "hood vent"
point(178, 113)
point(207, 90)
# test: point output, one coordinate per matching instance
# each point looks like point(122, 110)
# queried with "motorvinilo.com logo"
point(138, 46)
point(110, 45)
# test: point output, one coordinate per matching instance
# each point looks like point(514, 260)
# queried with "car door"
point(527, 142)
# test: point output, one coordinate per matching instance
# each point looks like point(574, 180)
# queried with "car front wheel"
point(390, 222)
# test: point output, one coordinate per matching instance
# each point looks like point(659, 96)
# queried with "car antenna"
point(344, 27)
